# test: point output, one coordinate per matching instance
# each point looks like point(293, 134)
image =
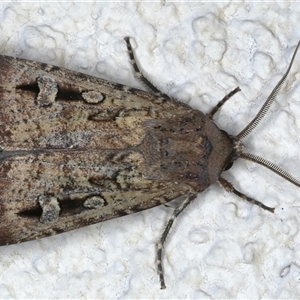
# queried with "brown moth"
point(77, 150)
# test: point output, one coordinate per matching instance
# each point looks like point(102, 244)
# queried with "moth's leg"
point(162, 240)
point(228, 187)
point(228, 96)
point(138, 74)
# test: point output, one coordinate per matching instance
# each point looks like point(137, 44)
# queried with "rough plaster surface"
point(221, 247)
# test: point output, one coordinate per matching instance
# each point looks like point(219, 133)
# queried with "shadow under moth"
point(78, 150)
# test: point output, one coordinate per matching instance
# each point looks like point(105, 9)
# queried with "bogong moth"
point(77, 150)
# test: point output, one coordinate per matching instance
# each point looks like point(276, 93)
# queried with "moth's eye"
point(228, 166)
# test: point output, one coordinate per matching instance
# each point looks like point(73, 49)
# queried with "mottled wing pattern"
point(73, 150)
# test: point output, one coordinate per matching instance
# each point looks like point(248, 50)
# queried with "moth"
point(77, 150)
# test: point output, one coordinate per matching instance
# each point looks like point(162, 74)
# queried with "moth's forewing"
point(78, 150)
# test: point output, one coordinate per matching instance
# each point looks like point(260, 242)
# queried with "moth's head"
point(237, 149)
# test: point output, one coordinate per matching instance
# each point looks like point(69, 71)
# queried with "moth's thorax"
point(222, 149)
point(185, 149)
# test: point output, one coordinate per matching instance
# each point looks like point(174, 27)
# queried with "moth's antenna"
point(260, 115)
point(271, 166)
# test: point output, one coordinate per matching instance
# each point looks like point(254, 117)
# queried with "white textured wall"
point(221, 247)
